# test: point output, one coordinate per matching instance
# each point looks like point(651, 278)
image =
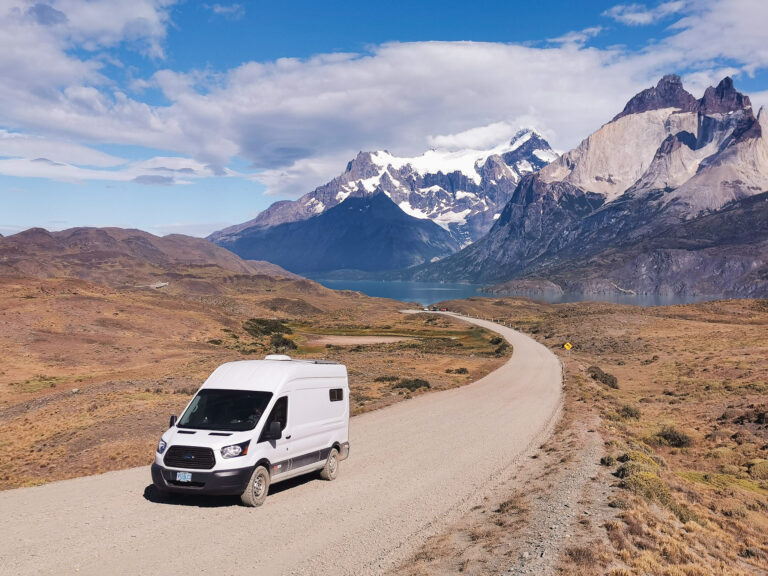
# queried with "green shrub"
point(258, 327)
point(759, 469)
point(501, 348)
point(386, 378)
point(496, 340)
point(456, 371)
point(608, 379)
point(412, 384)
point(649, 486)
point(671, 436)
point(281, 343)
point(214, 341)
point(628, 411)
point(607, 460)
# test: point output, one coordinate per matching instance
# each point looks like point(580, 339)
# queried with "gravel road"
point(413, 468)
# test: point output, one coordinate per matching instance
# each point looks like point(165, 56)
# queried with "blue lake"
point(430, 292)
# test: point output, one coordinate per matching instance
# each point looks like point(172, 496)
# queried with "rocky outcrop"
point(462, 191)
point(723, 98)
point(646, 203)
point(668, 93)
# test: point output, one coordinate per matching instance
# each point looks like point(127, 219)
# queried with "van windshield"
point(235, 410)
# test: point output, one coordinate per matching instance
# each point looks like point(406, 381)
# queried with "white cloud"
point(641, 15)
point(17, 145)
point(230, 11)
point(578, 37)
point(300, 121)
point(158, 171)
point(759, 100)
point(482, 137)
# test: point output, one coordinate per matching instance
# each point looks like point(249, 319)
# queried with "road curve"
point(413, 468)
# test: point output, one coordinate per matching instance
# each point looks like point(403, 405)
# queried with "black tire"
point(258, 486)
point(331, 468)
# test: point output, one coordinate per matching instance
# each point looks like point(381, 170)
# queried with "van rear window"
point(337, 394)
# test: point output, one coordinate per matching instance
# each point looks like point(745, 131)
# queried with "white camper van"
point(254, 423)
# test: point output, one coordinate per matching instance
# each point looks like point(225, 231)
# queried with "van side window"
point(337, 394)
point(279, 414)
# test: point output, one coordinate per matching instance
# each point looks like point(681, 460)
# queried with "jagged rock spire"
point(723, 98)
point(668, 93)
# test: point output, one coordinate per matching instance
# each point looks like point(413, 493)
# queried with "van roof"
point(269, 375)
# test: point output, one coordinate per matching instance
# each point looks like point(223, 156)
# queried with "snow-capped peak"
point(467, 161)
point(459, 189)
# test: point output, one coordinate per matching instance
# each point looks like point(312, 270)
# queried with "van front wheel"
point(331, 469)
point(258, 486)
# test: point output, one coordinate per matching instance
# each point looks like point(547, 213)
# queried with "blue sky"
point(187, 117)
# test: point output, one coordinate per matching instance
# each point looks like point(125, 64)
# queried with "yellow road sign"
point(568, 346)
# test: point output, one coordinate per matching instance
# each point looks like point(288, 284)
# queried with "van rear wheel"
point(331, 469)
point(258, 487)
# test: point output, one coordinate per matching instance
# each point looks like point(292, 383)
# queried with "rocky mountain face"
point(462, 191)
point(116, 256)
point(368, 233)
point(647, 203)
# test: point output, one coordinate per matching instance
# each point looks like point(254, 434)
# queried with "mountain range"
point(368, 233)
point(462, 191)
point(669, 197)
point(123, 257)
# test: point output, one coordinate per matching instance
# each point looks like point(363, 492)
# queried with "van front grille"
point(191, 457)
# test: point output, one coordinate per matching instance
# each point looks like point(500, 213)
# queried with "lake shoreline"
point(428, 293)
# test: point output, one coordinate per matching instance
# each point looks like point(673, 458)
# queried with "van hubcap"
point(258, 486)
point(332, 465)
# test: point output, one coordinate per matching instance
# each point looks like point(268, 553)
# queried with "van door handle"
point(288, 437)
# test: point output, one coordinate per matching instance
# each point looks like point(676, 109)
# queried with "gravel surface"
point(414, 467)
point(555, 511)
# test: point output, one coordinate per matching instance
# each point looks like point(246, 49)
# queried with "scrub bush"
point(671, 436)
point(412, 384)
point(280, 343)
point(257, 327)
point(608, 379)
point(607, 460)
point(628, 411)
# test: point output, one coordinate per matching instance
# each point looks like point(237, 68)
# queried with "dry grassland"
point(680, 395)
point(89, 374)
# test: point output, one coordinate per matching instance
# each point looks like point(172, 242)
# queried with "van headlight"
point(235, 450)
point(161, 446)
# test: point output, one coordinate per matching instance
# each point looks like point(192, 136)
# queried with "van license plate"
point(183, 476)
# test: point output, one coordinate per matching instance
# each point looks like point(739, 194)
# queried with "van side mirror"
point(274, 432)
point(172, 421)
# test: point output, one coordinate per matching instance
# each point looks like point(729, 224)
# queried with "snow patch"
point(445, 219)
point(546, 155)
point(316, 206)
point(524, 166)
point(411, 211)
point(433, 161)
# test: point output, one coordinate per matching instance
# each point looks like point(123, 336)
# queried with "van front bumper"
point(224, 482)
